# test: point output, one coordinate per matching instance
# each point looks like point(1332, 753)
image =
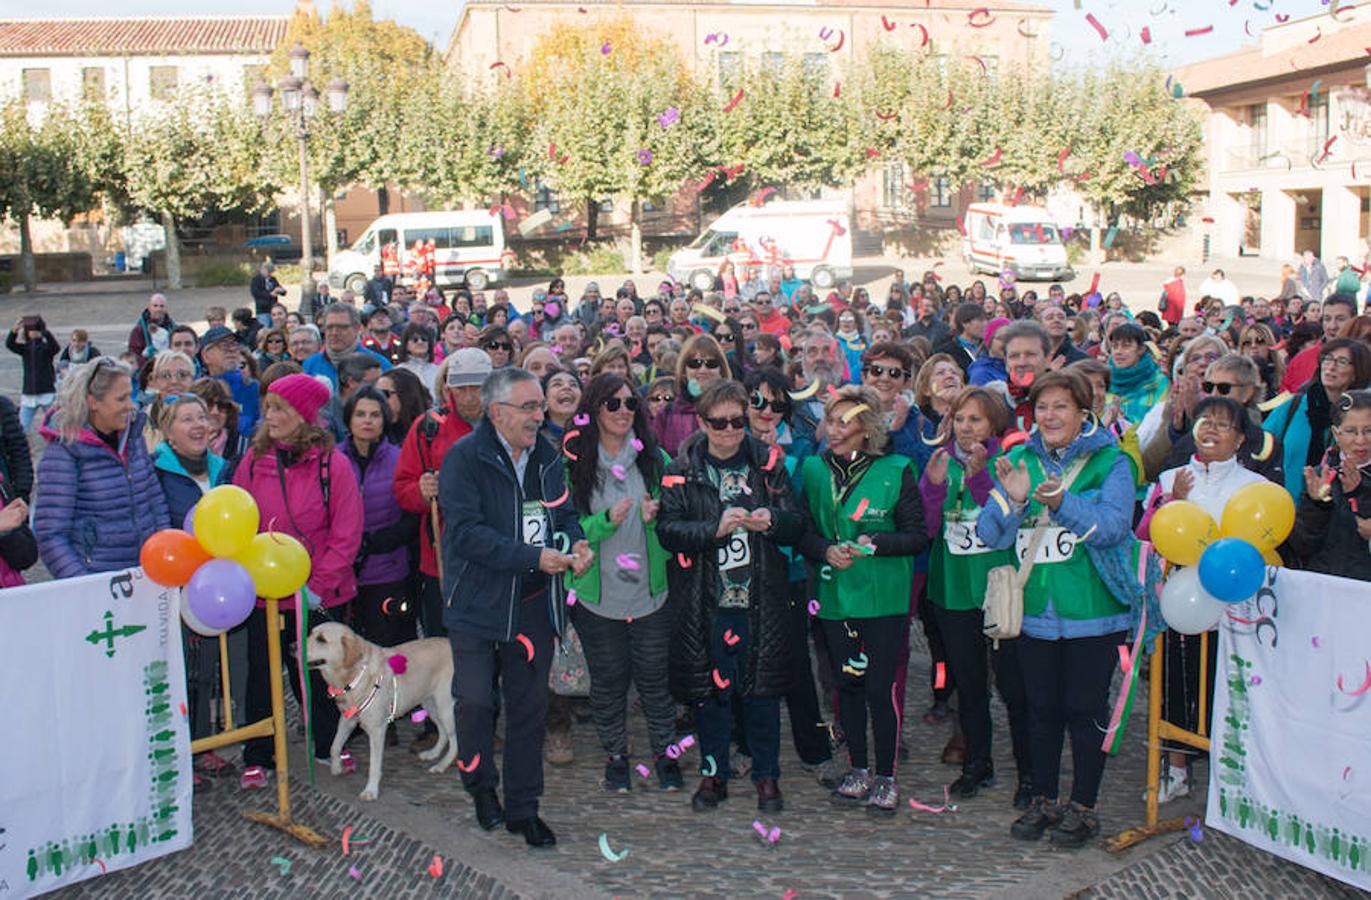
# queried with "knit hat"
point(304, 394)
point(991, 327)
point(468, 368)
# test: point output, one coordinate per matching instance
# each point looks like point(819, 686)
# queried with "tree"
point(615, 112)
point(48, 173)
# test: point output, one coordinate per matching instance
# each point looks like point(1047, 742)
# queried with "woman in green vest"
point(955, 486)
point(866, 505)
point(1065, 493)
point(614, 475)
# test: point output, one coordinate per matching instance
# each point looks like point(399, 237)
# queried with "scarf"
point(1129, 381)
point(847, 472)
point(195, 466)
point(1319, 411)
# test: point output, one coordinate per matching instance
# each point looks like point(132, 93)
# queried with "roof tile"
point(71, 37)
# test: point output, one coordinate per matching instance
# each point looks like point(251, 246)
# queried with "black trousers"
point(967, 651)
point(618, 652)
point(323, 710)
point(807, 725)
point(523, 685)
point(431, 607)
point(1181, 674)
point(937, 651)
point(386, 624)
point(869, 690)
point(1068, 691)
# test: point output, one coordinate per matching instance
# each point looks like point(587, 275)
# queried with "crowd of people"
point(713, 491)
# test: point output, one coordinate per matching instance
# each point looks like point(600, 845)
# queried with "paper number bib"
point(961, 539)
point(535, 524)
point(737, 553)
point(1058, 544)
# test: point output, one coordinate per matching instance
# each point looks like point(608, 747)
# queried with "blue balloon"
point(1232, 570)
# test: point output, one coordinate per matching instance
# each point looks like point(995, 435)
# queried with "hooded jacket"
point(140, 337)
point(676, 421)
point(181, 490)
point(98, 504)
point(40, 376)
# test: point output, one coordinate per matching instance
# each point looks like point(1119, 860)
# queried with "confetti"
point(946, 807)
point(571, 597)
point(528, 645)
point(730, 638)
point(720, 681)
point(566, 492)
point(940, 677)
point(1314, 641)
point(356, 875)
point(502, 65)
point(627, 561)
point(790, 894)
point(608, 853)
point(854, 412)
point(618, 472)
point(418, 715)
point(398, 663)
point(1099, 29)
point(980, 17)
point(1365, 686)
point(670, 481)
point(813, 607)
point(1125, 661)
point(581, 419)
point(642, 770)
point(700, 309)
point(567, 437)
point(733, 104)
point(275, 861)
point(889, 25)
point(1255, 680)
point(435, 868)
point(636, 444)
point(1197, 32)
point(809, 391)
point(771, 459)
point(1196, 832)
point(709, 768)
point(688, 741)
point(644, 157)
point(673, 751)
point(683, 561)
point(471, 766)
point(860, 510)
point(605, 48)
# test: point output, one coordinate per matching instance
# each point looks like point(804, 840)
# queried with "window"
point(892, 186)
point(730, 68)
point(773, 64)
point(37, 85)
point(545, 197)
point(816, 65)
point(606, 205)
point(367, 244)
point(93, 84)
point(940, 193)
point(986, 192)
point(473, 236)
point(162, 81)
point(1318, 124)
point(1256, 123)
point(440, 236)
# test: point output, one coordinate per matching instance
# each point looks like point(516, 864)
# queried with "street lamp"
point(300, 100)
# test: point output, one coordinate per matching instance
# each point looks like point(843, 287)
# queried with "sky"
point(1233, 22)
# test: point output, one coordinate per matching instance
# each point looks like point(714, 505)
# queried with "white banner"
point(1290, 763)
point(95, 769)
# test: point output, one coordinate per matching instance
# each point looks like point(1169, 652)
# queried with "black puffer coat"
point(1325, 538)
point(686, 526)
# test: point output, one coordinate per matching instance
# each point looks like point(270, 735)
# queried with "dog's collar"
point(353, 711)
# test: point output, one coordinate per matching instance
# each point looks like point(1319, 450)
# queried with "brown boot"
point(954, 752)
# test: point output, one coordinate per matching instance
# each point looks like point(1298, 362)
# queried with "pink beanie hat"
point(304, 394)
point(993, 326)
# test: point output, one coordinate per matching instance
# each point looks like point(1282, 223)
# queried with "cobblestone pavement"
point(823, 851)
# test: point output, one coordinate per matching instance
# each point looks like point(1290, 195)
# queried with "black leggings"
point(382, 623)
point(1068, 690)
point(967, 649)
point(323, 710)
point(871, 689)
point(1181, 672)
point(807, 725)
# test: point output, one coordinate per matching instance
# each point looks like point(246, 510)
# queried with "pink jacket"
point(331, 536)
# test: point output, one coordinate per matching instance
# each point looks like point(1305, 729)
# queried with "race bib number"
point(535, 524)
point(961, 538)
point(737, 553)
point(1058, 544)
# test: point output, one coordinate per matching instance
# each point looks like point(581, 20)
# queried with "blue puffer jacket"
point(95, 507)
point(182, 491)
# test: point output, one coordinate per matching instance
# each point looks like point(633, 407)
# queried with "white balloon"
point(1187, 607)
point(193, 622)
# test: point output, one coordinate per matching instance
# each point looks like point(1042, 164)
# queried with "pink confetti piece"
point(813, 607)
point(643, 770)
point(1365, 686)
point(669, 481)
point(636, 444)
point(946, 807)
point(687, 742)
point(566, 492)
point(683, 561)
point(668, 117)
point(1255, 679)
point(435, 868)
point(628, 561)
point(398, 663)
point(790, 894)
point(772, 459)
point(774, 834)
point(1125, 661)
point(528, 645)
point(471, 766)
point(347, 838)
point(618, 472)
point(571, 597)
point(860, 510)
point(644, 157)
point(1099, 29)
point(352, 870)
point(730, 638)
point(758, 827)
point(673, 751)
point(418, 715)
point(940, 677)
point(581, 419)
point(720, 681)
point(1314, 641)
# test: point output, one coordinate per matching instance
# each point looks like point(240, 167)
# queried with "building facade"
point(1288, 139)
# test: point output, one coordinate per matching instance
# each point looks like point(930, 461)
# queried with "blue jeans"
point(714, 716)
point(28, 413)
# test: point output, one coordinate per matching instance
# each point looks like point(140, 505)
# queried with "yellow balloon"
point(1272, 558)
point(226, 518)
point(277, 562)
point(1181, 531)
point(1263, 514)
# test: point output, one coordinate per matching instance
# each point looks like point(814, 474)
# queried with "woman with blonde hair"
point(866, 506)
point(613, 358)
point(701, 363)
point(1258, 343)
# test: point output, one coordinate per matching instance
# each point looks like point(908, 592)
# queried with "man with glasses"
point(342, 326)
point(505, 549)
point(222, 357)
point(380, 337)
point(1338, 310)
point(769, 318)
point(303, 343)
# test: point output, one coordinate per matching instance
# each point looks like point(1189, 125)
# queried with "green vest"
point(956, 578)
point(874, 585)
point(1069, 578)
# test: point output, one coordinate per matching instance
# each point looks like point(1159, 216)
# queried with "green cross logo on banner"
point(110, 633)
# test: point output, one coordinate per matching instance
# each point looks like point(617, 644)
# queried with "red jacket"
point(1175, 301)
point(422, 453)
point(1302, 368)
point(331, 535)
point(776, 323)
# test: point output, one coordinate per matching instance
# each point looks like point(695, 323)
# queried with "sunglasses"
point(759, 403)
point(749, 327)
point(1222, 388)
point(660, 398)
point(725, 338)
point(736, 423)
point(1254, 342)
point(628, 403)
point(497, 345)
point(878, 371)
point(702, 363)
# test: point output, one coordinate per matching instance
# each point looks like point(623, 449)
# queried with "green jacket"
point(956, 580)
point(597, 527)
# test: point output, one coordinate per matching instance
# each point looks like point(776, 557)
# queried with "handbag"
point(1002, 608)
point(569, 676)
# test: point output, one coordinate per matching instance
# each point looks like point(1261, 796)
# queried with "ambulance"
point(1021, 240)
point(814, 236)
point(467, 246)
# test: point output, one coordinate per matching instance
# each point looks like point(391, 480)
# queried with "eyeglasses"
point(628, 403)
point(177, 375)
point(497, 345)
point(660, 398)
point(725, 338)
point(1254, 342)
point(418, 337)
point(1222, 388)
point(748, 326)
point(735, 423)
point(759, 403)
point(1337, 362)
point(338, 327)
point(529, 408)
point(700, 362)
point(1349, 433)
point(875, 370)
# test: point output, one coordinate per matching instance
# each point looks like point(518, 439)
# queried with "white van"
point(814, 236)
point(1022, 240)
point(469, 249)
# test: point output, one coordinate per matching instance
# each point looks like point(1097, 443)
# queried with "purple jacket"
point(675, 423)
point(935, 495)
point(96, 506)
point(385, 548)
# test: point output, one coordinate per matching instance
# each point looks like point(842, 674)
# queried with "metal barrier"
point(1158, 730)
point(273, 727)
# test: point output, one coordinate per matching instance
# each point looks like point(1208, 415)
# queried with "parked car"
point(278, 247)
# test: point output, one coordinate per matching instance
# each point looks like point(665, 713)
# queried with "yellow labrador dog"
point(364, 681)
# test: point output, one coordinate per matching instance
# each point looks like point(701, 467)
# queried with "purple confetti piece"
point(758, 827)
point(571, 598)
point(581, 418)
point(1131, 158)
point(552, 310)
point(688, 741)
point(645, 157)
point(813, 607)
point(352, 870)
point(1315, 641)
point(605, 48)
point(1256, 679)
point(673, 751)
point(618, 472)
point(418, 715)
point(627, 561)
point(638, 445)
point(643, 770)
point(774, 834)
point(496, 152)
point(668, 117)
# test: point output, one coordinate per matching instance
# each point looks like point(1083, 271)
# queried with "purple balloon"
point(221, 593)
point(188, 523)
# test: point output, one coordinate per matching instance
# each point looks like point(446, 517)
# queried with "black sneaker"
point(709, 794)
point(1023, 793)
point(617, 775)
point(669, 774)
point(974, 777)
point(1076, 827)
point(1041, 816)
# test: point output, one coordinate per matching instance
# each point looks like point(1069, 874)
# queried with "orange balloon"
point(171, 556)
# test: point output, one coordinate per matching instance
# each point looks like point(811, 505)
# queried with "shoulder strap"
point(1040, 530)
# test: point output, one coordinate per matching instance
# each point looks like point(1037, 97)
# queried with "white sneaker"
point(1174, 785)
